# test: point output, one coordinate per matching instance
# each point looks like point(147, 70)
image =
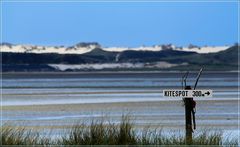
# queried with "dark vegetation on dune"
point(102, 133)
point(224, 60)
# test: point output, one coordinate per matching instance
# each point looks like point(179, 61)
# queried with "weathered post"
point(189, 109)
point(187, 94)
point(188, 117)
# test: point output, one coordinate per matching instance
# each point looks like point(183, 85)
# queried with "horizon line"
point(95, 42)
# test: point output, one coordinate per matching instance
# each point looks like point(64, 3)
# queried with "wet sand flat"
point(170, 114)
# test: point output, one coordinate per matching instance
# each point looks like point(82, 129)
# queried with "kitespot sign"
point(188, 93)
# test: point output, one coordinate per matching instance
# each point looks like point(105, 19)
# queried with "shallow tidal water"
point(58, 100)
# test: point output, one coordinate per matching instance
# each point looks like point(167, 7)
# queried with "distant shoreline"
point(114, 72)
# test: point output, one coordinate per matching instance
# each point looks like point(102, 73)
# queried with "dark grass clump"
point(21, 136)
point(100, 133)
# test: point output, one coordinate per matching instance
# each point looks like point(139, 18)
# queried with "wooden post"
point(188, 118)
point(189, 108)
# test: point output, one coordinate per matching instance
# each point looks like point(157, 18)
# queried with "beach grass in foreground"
point(101, 132)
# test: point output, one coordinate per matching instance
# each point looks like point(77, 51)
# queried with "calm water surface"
point(105, 88)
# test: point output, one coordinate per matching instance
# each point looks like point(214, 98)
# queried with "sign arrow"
point(207, 92)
